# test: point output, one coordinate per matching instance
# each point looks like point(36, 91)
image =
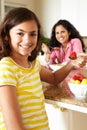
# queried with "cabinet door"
point(66, 120)
point(78, 121)
point(58, 120)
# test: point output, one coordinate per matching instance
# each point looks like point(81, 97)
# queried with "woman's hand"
point(45, 49)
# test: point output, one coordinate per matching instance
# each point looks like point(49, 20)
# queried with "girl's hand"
point(80, 61)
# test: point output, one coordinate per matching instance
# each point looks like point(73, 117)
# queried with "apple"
point(80, 76)
point(75, 77)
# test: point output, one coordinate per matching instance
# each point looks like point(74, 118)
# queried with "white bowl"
point(79, 90)
point(55, 67)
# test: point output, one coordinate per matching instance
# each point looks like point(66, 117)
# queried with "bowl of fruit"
point(78, 86)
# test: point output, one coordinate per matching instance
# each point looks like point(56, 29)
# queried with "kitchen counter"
point(62, 98)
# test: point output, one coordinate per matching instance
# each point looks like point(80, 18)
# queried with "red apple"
point(80, 76)
point(75, 77)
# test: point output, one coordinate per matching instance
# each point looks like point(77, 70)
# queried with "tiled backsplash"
point(85, 41)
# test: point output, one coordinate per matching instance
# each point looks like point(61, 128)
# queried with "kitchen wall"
point(85, 41)
point(49, 11)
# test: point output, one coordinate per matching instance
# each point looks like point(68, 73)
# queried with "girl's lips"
point(25, 46)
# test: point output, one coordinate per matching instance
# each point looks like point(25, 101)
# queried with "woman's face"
point(62, 35)
point(23, 38)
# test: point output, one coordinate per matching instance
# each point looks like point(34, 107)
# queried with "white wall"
point(75, 12)
point(49, 11)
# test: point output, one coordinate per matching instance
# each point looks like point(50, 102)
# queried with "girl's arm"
point(10, 108)
point(59, 75)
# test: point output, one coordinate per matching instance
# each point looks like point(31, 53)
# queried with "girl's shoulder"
point(36, 64)
point(6, 65)
point(6, 61)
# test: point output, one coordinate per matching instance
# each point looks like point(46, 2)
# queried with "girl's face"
point(62, 35)
point(23, 38)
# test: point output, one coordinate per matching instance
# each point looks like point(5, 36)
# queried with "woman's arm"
point(10, 108)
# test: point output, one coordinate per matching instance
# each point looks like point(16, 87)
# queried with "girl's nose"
point(27, 39)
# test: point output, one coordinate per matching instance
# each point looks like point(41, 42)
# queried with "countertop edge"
point(67, 106)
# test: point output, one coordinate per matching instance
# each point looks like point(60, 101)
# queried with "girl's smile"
point(24, 38)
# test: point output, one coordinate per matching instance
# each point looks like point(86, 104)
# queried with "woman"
point(64, 40)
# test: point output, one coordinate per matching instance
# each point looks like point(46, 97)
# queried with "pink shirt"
point(58, 55)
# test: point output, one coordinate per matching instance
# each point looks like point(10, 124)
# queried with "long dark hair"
point(13, 18)
point(70, 28)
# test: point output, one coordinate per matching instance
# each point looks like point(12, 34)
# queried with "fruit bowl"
point(79, 90)
point(78, 86)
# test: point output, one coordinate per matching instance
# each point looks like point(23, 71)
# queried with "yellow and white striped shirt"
point(29, 92)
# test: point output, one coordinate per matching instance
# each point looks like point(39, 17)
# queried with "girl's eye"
point(33, 34)
point(20, 34)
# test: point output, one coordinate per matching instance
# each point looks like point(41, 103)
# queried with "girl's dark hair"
point(70, 28)
point(13, 18)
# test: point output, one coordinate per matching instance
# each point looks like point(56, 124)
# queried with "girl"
point(22, 104)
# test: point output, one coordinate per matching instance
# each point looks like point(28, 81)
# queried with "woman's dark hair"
point(70, 28)
point(13, 18)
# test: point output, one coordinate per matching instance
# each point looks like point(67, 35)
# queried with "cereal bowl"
point(55, 67)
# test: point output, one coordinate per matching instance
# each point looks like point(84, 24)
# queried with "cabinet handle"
point(61, 108)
